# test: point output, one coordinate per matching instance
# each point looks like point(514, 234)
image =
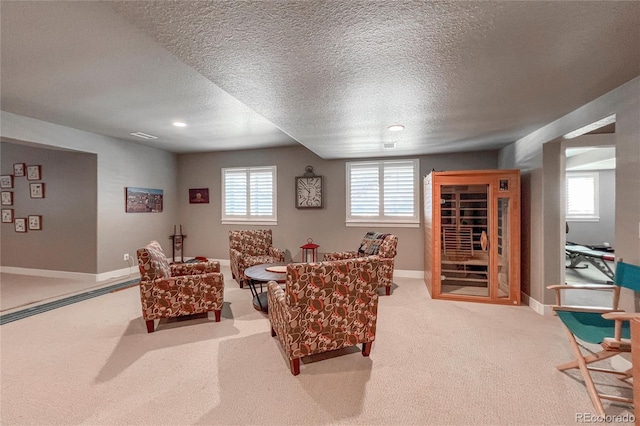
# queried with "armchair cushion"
point(152, 262)
point(197, 268)
point(340, 255)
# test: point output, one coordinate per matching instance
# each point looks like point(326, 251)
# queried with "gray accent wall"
point(206, 236)
point(604, 229)
point(68, 240)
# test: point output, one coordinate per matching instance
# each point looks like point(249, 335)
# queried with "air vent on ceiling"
point(389, 145)
point(143, 135)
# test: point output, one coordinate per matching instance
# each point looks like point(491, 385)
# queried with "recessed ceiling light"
point(179, 124)
point(143, 135)
point(591, 127)
point(396, 128)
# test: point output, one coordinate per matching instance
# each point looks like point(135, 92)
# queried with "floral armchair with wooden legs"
point(173, 290)
point(251, 247)
point(325, 306)
point(374, 243)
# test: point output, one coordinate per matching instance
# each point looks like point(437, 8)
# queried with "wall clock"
point(309, 190)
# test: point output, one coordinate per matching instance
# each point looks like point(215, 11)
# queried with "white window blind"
point(382, 191)
point(582, 196)
point(249, 195)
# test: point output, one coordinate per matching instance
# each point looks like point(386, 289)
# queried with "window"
point(249, 195)
point(582, 196)
point(383, 192)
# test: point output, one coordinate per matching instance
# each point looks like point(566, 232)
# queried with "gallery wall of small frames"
point(11, 198)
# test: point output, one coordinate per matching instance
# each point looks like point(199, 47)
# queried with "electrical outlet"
point(126, 256)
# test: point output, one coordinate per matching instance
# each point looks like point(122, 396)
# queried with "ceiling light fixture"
point(179, 124)
point(591, 127)
point(396, 128)
point(143, 135)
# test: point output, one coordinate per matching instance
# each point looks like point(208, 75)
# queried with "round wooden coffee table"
point(259, 274)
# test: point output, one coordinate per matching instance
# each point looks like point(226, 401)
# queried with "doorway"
point(589, 212)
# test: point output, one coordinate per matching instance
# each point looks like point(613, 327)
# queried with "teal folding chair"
point(608, 327)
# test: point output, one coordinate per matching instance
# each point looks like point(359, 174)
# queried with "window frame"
point(250, 219)
point(595, 216)
point(381, 219)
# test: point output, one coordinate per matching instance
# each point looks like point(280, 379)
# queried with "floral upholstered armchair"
point(374, 244)
point(251, 247)
point(325, 306)
point(173, 290)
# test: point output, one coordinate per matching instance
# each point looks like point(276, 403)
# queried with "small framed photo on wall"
point(36, 190)
point(18, 169)
point(199, 195)
point(7, 215)
point(33, 172)
point(20, 224)
point(7, 198)
point(6, 181)
point(35, 222)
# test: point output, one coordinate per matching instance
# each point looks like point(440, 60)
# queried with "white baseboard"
point(131, 272)
point(405, 273)
point(537, 307)
point(48, 273)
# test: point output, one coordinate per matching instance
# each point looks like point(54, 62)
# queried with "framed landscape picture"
point(143, 200)
point(199, 196)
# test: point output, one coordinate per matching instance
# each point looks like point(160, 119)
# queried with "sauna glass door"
point(464, 225)
point(503, 249)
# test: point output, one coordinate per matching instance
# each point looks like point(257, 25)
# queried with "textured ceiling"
point(331, 76)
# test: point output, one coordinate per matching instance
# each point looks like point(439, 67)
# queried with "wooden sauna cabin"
point(472, 235)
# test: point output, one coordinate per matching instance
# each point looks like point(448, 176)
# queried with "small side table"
point(258, 274)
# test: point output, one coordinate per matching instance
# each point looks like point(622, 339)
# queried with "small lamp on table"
point(309, 251)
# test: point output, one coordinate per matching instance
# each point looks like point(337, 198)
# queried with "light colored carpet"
point(433, 363)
